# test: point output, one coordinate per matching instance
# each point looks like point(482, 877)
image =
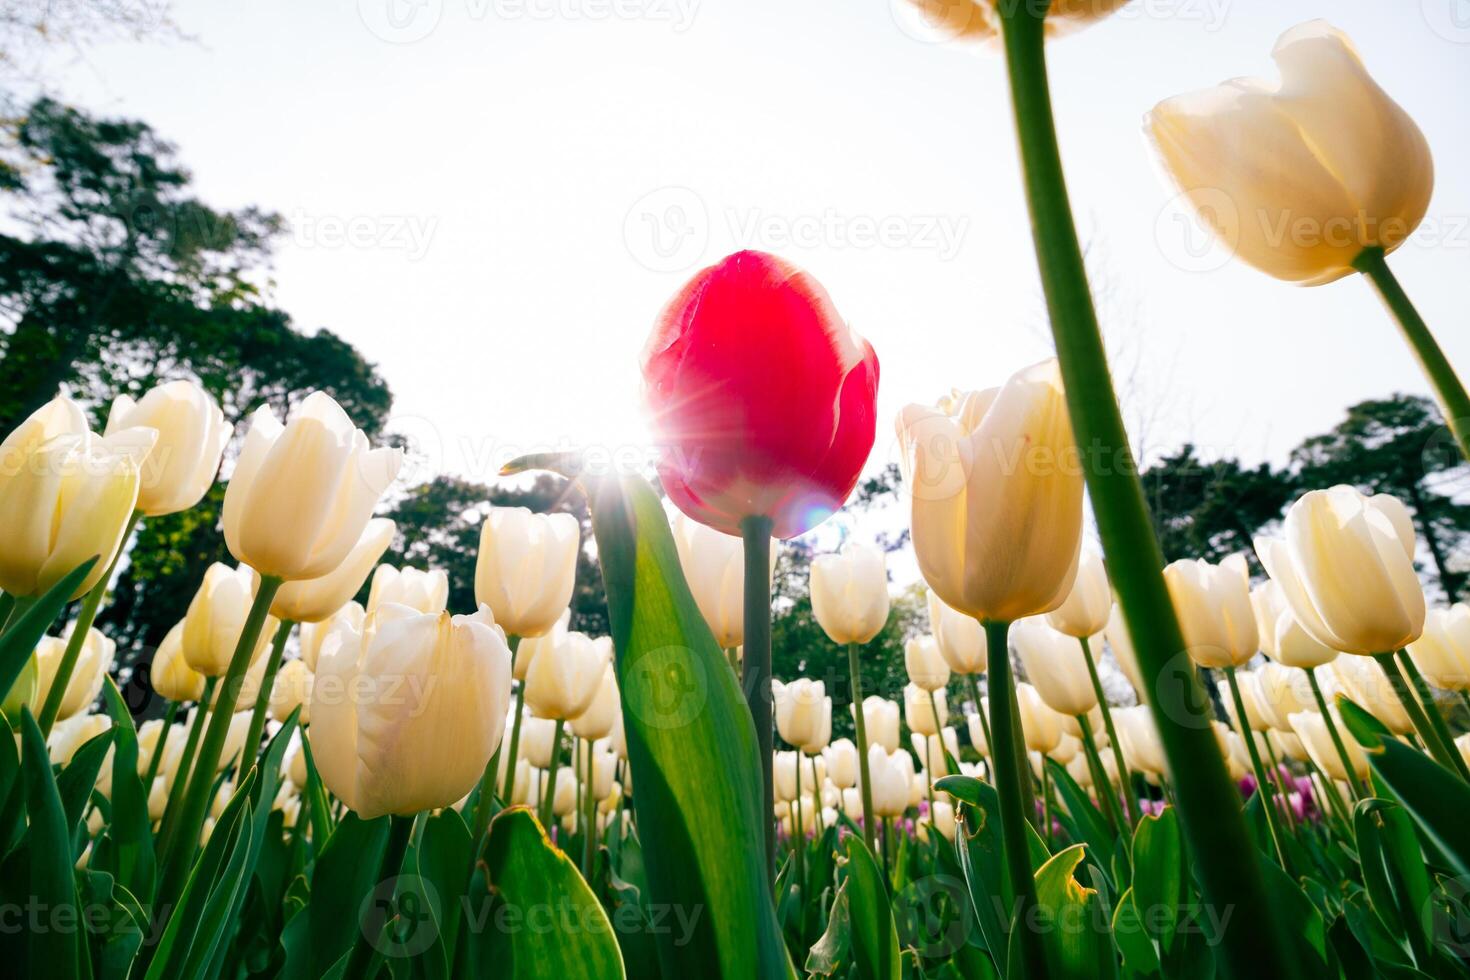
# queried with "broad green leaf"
point(113, 943)
point(445, 856)
point(691, 748)
point(345, 874)
point(1076, 943)
point(1394, 875)
point(76, 782)
point(873, 935)
point(830, 952)
point(1305, 929)
point(1159, 875)
point(982, 857)
point(52, 886)
point(20, 637)
point(1092, 827)
point(1140, 958)
point(534, 877)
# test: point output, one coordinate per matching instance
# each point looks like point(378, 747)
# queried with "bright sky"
point(493, 198)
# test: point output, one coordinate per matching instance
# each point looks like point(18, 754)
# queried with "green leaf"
point(691, 749)
point(345, 874)
point(830, 952)
point(1091, 827)
point(76, 782)
point(1159, 875)
point(20, 637)
point(113, 943)
point(1394, 875)
point(445, 855)
point(982, 858)
point(52, 885)
point(1077, 944)
point(873, 935)
point(1305, 930)
point(1140, 958)
point(534, 877)
point(130, 835)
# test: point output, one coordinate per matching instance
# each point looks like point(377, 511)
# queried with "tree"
point(1399, 445)
point(1212, 509)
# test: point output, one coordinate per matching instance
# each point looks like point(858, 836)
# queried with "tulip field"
point(1099, 763)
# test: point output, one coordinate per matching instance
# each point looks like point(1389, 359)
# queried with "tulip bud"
point(1442, 652)
point(69, 499)
point(1214, 608)
point(880, 717)
point(1066, 749)
point(925, 665)
point(798, 710)
point(822, 734)
point(597, 720)
point(292, 690)
point(1299, 177)
point(850, 593)
point(564, 793)
point(311, 635)
point(783, 776)
point(313, 600)
point(714, 567)
point(192, 435)
point(1380, 607)
point(1311, 728)
point(977, 729)
point(1087, 608)
point(216, 617)
point(1281, 692)
point(302, 493)
point(170, 673)
point(538, 740)
point(562, 682)
point(1140, 739)
point(919, 708)
point(406, 714)
point(1120, 641)
point(93, 662)
point(526, 568)
point(1054, 665)
point(763, 399)
point(997, 497)
point(1365, 684)
point(427, 592)
point(24, 692)
point(1040, 725)
point(960, 638)
point(930, 749)
point(842, 762)
point(1282, 638)
point(72, 733)
point(891, 780)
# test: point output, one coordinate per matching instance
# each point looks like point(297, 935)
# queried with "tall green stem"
point(86, 614)
point(263, 697)
point(1437, 749)
point(1257, 942)
point(548, 798)
point(1105, 794)
point(589, 803)
point(1448, 388)
point(939, 736)
point(196, 798)
point(984, 721)
point(1359, 792)
point(798, 839)
point(359, 961)
point(860, 722)
point(756, 666)
point(181, 773)
point(1008, 787)
point(1130, 798)
point(1264, 786)
point(507, 787)
point(1431, 713)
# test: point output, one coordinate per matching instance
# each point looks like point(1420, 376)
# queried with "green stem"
point(798, 841)
point(1280, 781)
point(157, 757)
point(1125, 778)
point(1448, 388)
point(1104, 785)
point(322, 820)
point(1046, 803)
point(756, 667)
point(201, 782)
point(984, 722)
point(1009, 788)
point(1432, 744)
point(508, 785)
point(938, 735)
point(548, 798)
point(7, 606)
point(251, 750)
point(1264, 786)
point(1359, 792)
point(181, 774)
point(860, 722)
point(1431, 712)
point(359, 961)
point(589, 802)
point(1327, 790)
point(816, 796)
point(1208, 802)
point(86, 614)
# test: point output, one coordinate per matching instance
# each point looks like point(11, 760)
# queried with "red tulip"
point(763, 398)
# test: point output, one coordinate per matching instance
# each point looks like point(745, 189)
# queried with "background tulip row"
point(1100, 764)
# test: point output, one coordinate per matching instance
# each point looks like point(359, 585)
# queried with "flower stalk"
point(756, 666)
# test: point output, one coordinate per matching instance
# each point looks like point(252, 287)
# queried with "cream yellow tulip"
point(1054, 666)
point(526, 568)
point(1442, 652)
point(562, 682)
point(1214, 607)
point(312, 634)
point(997, 497)
point(960, 638)
point(850, 593)
point(192, 435)
point(1298, 177)
point(1087, 608)
point(313, 600)
point(93, 662)
point(428, 592)
point(216, 617)
point(714, 566)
